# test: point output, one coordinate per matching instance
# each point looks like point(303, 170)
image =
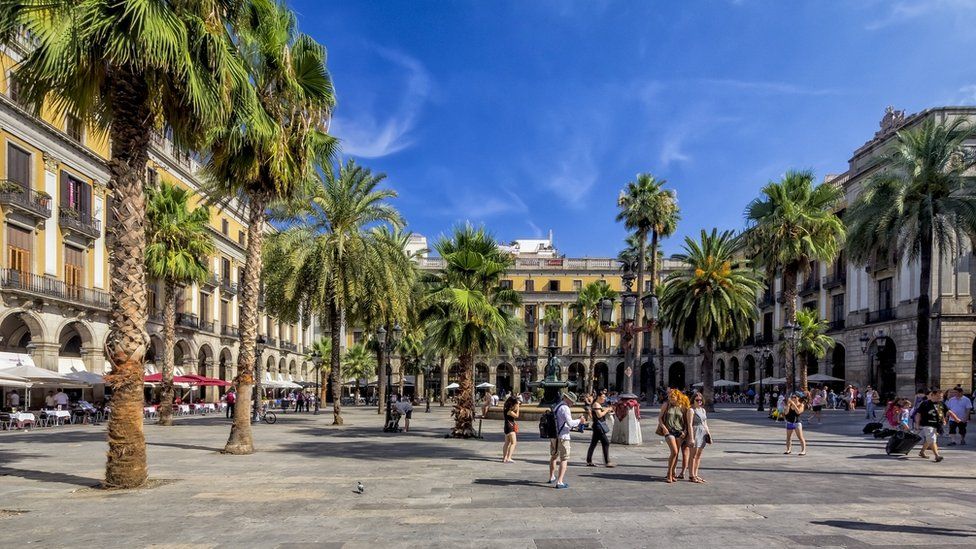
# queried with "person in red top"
point(231, 398)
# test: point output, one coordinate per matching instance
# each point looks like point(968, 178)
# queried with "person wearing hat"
point(559, 446)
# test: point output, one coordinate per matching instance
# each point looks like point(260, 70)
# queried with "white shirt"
point(494, 400)
point(15, 399)
point(564, 420)
point(404, 406)
point(49, 401)
point(960, 406)
point(61, 399)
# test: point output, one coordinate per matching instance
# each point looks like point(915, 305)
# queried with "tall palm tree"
point(920, 202)
point(128, 69)
point(647, 208)
point(178, 245)
point(811, 340)
point(359, 363)
point(468, 312)
point(323, 347)
point(791, 225)
point(325, 261)
point(586, 320)
point(267, 152)
point(713, 299)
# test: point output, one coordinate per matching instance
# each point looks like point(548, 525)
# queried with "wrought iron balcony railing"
point(43, 286)
point(29, 201)
point(80, 222)
point(881, 315)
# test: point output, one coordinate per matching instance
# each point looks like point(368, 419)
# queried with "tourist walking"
point(510, 413)
point(672, 425)
point(930, 419)
point(794, 411)
point(405, 407)
point(870, 401)
point(819, 397)
point(559, 446)
point(699, 437)
point(600, 430)
point(962, 407)
point(231, 397)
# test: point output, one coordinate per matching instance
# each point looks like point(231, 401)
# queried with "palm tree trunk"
point(464, 408)
point(636, 344)
point(923, 312)
point(801, 362)
point(169, 344)
point(653, 273)
point(381, 395)
point(240, 441)
point(400, 370)
point(589, 380)
point(789, 308)
point(127, 342)
point(336, 365)
point(708, 375)
point(443, 394)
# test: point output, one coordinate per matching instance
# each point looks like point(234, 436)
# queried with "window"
point(204, 307)
point(529, 314)
point(577, 285)
point(530, 342)
point(13, 89)
point(505, 284)
point(767, 327)
point(884, 294)
point(812, 305)
point(837, 308)
point(224, 226)
point(74, 127)
point(553, 285)
point(357, 337)
point(74, 266)
point(240, 237)
point(577, 344)
point(20, 242)
point(18, 165)
point(75, 194)
point(530, 285)
point(151, 301)
point(225, 269)
point(648, 285)
point(152, 177)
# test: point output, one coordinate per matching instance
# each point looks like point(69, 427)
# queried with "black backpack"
point(547, 423)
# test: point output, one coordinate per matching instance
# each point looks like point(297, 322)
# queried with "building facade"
point(54, 298)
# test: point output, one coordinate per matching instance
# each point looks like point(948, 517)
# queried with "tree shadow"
point(904, 528)
point(45, 476)
point(624, 476)
point(506, 482)
point(183, 446)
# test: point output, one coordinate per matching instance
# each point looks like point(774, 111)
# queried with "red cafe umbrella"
point(158, 378)
point(204, 381)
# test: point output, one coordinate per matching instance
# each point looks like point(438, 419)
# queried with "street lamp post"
point(629, 327)
point(317, 363)
point(427, 371)
point(388, 344)
point(258, 351)
point(764, 353)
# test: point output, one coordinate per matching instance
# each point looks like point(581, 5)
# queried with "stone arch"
point(504, 378)
point(155, 350)
point(480, 373)
point(619, 377)
point(269, 364)
point(750, 369)
point(225, 364)
point(454, 373)
point(305, 369)
point(20, 327)
point(74, 336)
point(734, 366)
point(601, 379)
point(205, 360)
point(838, 359)
point(576, 375)
point(720, 366)
point(293, 368)
point(182, 352)
point(882, 372)
point(282, 366)
point(676, 375)
point(647, 377)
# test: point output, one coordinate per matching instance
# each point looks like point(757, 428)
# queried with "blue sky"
point(532, 115)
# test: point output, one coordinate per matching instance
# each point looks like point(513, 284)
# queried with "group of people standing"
point(683, 423)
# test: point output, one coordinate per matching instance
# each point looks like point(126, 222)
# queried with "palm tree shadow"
point(905, 528)
point(46, 476)
point(506, 482)
point(184, 446)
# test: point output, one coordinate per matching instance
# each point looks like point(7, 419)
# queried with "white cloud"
point(574, 173)
point(903, 11)
point(671, 149)
point(476, 206)
point(771, 87)
point(366, 136)
point(536, 232)
point(968, 94)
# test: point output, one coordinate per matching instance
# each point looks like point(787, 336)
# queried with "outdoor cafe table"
point(206, 407)
point(184, 408)
point(59, 414)
point(22, 417)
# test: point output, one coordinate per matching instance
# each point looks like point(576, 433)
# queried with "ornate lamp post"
point(764, 353)
point(428, 368)
point(629, 327)
point(388, 344)
point(317, 363)
point(258, 351)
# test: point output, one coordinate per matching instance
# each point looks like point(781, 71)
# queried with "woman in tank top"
point(794, 410)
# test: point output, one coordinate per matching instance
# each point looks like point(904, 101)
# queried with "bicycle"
point(267, 416)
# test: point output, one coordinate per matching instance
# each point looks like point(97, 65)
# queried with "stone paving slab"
point(423, 490)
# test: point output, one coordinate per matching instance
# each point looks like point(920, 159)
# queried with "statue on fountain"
point(553, 369)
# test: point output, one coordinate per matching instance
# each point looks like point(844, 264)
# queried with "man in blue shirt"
point(559, 446)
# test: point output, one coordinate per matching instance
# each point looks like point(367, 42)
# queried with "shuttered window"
point(18, 165)
point(74, 266)
point(75, 194)
point(20, 244)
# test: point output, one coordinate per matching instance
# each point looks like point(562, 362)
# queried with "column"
point(516, 380)
point(51, 243)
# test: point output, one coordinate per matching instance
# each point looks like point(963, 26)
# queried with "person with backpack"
point(231, 398)
point(556, 425)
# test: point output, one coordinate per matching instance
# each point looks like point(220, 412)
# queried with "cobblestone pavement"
point(426, 491)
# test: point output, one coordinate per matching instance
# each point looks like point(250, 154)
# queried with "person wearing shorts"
point(794, 410)
point(559, 446)
point(960, 405)
point(930, 417)
point(672, 425)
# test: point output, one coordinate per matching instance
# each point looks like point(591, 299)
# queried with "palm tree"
point(323, 347)
point(359, 363)
point(178, 245)
point(920, 202)
point(811, 340)
point(713, 299)
point(127, 69)
point(325, 261)
point(267, 152)
point(646, 207)
point(586, 320)
point(468, 312)
point(791, 225)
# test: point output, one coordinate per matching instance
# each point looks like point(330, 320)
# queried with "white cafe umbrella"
point(771, 381)
point(453, 386)
point(12, 381)
point(823, 378)
point(484, 385)
point(719, 383)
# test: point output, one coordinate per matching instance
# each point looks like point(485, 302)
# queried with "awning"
point(33, 376)
point(821, 378)
point(453, 386)
point(719, 383)
point(12, 381)
point(771, 381)
point(12, 360)
point(74, 368)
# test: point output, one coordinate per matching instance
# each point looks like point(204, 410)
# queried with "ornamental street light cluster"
point(317, 364)
point(388, 344)
point(764, 353)
point(629, 327)
point(881, 339)
point(258, 351)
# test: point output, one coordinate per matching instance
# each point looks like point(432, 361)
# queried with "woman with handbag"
point(699, 436)
point(511, 413)
point(600, 430)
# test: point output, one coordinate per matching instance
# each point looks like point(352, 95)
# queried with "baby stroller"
point(393, 425)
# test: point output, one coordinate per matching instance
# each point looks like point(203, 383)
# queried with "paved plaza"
point(426, 491)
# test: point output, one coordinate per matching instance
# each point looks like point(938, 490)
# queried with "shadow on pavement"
point(506, 482)
point(906, 528)
point(183, 446)
point(44, 476)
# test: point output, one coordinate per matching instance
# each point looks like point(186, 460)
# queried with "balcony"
point(810, 285)
point(780, 298)
point(211, 282)
point(228, 287)
point(188, 321)
point(79, 222)
point(289, 346)
point(834, 280)
point(882, 315)
point(208, 326)
point(766, 300)
point(229, 331)
point(836, 325)
point(35, 204)
point(34, 285)
point(271, 342)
